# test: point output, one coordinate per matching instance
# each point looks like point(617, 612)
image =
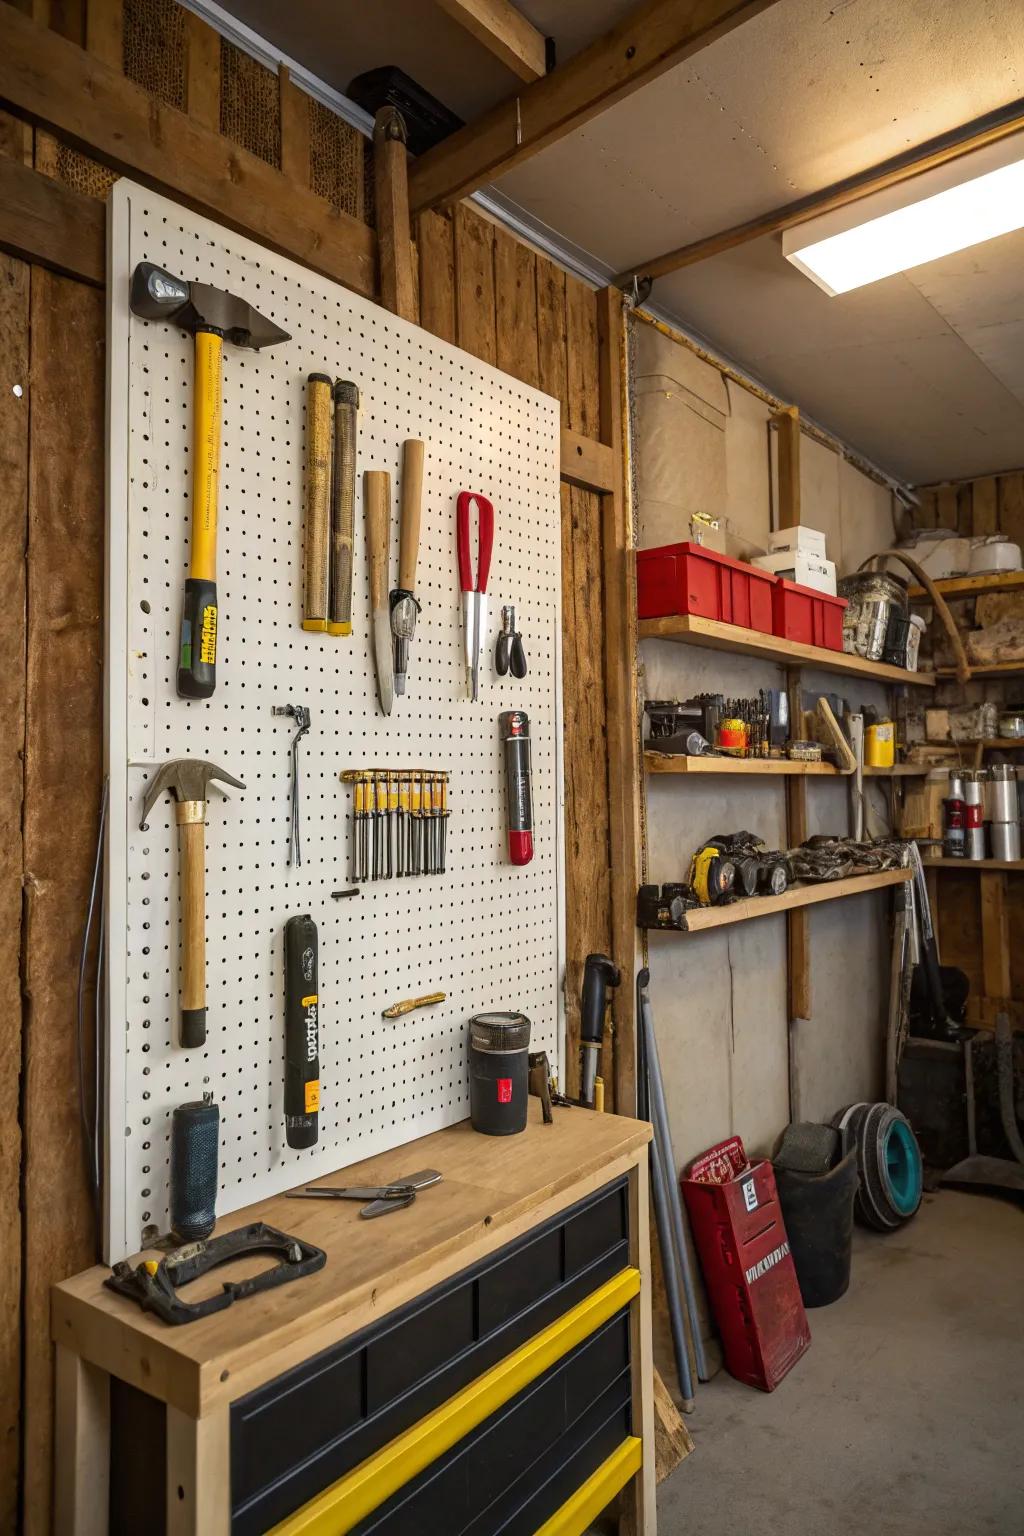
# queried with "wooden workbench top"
point(493, 1189)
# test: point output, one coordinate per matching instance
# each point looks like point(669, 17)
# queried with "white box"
point(809, 541)
point(808, 570)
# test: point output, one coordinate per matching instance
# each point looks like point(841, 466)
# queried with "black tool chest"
point(295, 1436)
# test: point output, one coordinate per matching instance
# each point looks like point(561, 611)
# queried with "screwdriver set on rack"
point(399, 822)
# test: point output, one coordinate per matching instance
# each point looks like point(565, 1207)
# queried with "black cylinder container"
point(195, 1168)
point(818, 1212)
point(499, 1047)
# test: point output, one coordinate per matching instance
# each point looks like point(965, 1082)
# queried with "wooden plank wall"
point(988, 504)
point(479, 288)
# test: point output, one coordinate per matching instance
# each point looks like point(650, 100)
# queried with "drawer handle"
point(365, 1488)
point(582, 1508)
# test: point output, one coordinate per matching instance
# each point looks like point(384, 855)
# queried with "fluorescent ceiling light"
point(947, 209)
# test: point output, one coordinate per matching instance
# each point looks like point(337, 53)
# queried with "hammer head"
point(187, 778)
point(159, 295)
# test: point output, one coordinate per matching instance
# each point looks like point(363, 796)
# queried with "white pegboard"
point(486, 933)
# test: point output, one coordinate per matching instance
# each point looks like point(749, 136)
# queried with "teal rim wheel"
point(901, 1159)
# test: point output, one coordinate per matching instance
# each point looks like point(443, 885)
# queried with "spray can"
point(974, 813)
point(515, 729)
point(954, 818)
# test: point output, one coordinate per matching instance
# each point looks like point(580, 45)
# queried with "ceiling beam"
point(890, 173)
point(652, 39)
point(504, 31)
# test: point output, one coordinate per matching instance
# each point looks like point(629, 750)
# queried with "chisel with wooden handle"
point(343, 506)
point(377, 508)
point(404, 606)
point(318, 480)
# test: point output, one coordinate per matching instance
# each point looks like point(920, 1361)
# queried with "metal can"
point(954, 845)
point(1001, 793)
point(1005, 839)
point(732, 737)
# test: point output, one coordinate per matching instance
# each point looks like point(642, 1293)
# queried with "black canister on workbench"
point(195, 1168)
point(499, 1046)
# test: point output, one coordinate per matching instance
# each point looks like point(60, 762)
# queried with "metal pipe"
point(659, 1119)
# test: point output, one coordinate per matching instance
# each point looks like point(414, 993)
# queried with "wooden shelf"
point(673, 762)
point(998, 743)
point(784, 653)
point(981, 865)
point(973, 586)
point(987, 669)
point(797, 896)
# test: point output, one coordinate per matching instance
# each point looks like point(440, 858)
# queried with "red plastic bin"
point(810, 617)
point(749, 1273)
point(689, 579)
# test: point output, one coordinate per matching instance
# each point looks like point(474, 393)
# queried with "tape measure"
point(712, 876)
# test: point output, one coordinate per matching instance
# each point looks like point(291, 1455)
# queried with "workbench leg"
point(198, 1473)
point(81, 1495)
point(638, 1505)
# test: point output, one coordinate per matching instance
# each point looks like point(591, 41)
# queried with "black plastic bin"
point(818, 1211)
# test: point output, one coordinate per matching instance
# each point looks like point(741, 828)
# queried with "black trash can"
point(818, 1212)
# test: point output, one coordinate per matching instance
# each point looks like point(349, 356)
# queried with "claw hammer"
point(187, 779)
point(212, 316)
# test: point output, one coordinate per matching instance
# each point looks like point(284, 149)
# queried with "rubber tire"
point(902, 1209)
point(875, 1206)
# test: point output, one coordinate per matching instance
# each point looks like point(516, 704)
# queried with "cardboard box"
point(809, 541)
point(806, 570)
point(936, 724)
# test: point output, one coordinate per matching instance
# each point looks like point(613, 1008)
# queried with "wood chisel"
point(302, 1032)
point(377, 506)
point(404, 606)
point(343, 507)
point(318, 480)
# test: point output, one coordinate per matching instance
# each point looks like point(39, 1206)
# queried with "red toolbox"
point(687, 578)
point(744, 1254)
point(812, 618)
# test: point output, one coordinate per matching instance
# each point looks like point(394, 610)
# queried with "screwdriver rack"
point(486, 933)
point(399, 822)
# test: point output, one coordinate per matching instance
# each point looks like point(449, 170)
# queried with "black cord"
point(90, 1127)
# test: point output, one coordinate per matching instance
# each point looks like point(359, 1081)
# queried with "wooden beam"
point(104, 30)
point(202, 79)
point(588, 464)
point(60, 86)
point(621, 691)
point(995, 937)
point(294, 129)
point(889, 174)
point(394, 238)
point(44, 222)
point(504, 31)
point(787, 424)
point(653, 38)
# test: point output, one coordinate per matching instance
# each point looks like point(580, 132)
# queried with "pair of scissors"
point(474, 590)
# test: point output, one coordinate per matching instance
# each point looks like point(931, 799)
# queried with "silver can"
point(974, 842)
point(1005, 839)
point(1001, 794)
point(974, 786)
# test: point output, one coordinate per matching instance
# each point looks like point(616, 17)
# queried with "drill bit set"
point(399, 822)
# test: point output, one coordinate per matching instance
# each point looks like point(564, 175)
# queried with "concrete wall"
point(703, 444)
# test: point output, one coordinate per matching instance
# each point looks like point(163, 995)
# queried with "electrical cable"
point(90, 1126)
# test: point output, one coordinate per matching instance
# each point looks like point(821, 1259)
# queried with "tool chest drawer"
point(509, 1475)
point(310, 1426)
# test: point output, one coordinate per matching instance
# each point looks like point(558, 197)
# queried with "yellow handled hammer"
point(212, 316)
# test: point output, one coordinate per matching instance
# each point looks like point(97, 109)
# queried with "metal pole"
point(668, 1264)
point(664, 1137)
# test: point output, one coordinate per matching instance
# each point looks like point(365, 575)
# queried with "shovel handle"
point(191, 817)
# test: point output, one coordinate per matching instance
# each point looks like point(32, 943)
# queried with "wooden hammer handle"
point(377, 506)
point(192, 856)
point(412, 498)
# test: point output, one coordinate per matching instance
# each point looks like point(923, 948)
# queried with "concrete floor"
point(906, 1415)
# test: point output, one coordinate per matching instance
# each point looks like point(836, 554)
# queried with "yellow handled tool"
point(212, 317)
point(397, 1009)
